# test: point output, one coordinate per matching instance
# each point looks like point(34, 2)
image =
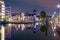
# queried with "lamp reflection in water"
point(54, 34)
point(34, 24)
point(34, 28)
point(19, 26)
point(2, 32)
point(22, 27)
point(16, 28)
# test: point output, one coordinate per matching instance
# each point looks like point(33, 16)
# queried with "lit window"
point(2, 2)
point(3, 6)
point(36, 23)
point(9, 24)
point(0, 8)
point(3, 14)
point(3, 11)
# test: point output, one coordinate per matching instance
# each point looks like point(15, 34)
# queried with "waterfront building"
point(8, 12)
point(2, 16)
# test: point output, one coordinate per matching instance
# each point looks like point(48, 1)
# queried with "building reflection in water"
point(8, 30)
point(54, 34)
point(22, 27)
point(19, 26)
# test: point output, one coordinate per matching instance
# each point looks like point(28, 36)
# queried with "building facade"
point(8, 12)
point(2, 16)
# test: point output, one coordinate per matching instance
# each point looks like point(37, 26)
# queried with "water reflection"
point(17, 27)
point(22, 27)
point(54, 34)
point(8, 30)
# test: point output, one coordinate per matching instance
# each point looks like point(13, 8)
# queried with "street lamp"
point(54, 12)
point(58, 6)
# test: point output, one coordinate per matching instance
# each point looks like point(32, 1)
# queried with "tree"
point(43, 14)
point(43, 28)
point(43, 17)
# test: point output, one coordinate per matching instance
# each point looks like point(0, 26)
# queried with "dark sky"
point(29, 5)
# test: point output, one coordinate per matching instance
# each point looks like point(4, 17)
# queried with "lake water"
point(18, 34)
point(30, 35)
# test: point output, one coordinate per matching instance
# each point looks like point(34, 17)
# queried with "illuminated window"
point(3, 11)
point(3, 14)
point(0, 8)
point(3, 6)
point(2, 2)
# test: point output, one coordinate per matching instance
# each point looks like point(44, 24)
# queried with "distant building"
point(15, 18)
point(24, 17)
point(8, 11)
point(29, 17)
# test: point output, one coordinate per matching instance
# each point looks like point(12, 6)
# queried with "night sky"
point(28, 5)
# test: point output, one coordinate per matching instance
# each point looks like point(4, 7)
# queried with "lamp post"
point(54, 15)
point(58, 6)
point(54, 19)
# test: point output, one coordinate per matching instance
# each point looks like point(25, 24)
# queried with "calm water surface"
point(29, 35)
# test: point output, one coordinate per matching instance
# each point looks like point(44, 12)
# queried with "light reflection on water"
point(18, 27)
point(22, 27)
